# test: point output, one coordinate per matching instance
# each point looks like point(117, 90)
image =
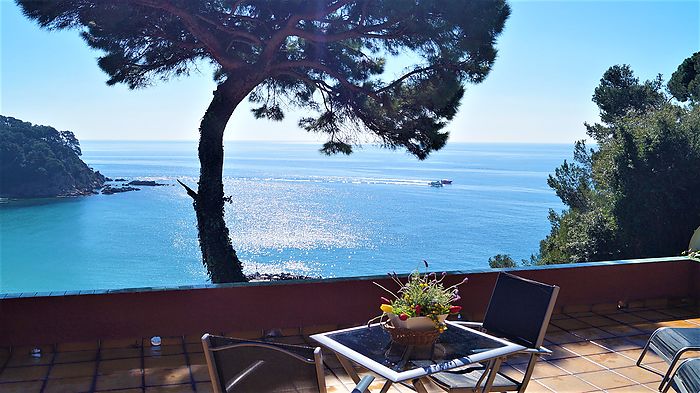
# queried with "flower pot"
point(415, 323)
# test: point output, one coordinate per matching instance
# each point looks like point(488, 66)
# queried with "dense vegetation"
point(637, 193)
point(39, 161)
point(326, 57)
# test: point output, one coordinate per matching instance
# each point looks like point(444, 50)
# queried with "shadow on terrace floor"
point(593, 351)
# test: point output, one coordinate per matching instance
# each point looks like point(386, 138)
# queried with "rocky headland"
point(39, 161)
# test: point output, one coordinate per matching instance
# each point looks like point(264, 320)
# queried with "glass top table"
point(371, 347)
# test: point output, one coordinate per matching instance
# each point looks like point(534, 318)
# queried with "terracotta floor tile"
point(168, 361)
point(163, 350)
point(67, 370)
point(640, 339)
point(120, 343)
point(120, 380)
point(536, 387)
point(570, 324)
point(167, 376)
point(611, 360)
point(46, 350)
point(21, 387)
point(653, 316)
point(68, 385)
point(26, 359)
point(20, 374)
point(542, 370)
point(606, 379)
point(205, 387)
point(562, 337)
point(119, 353)
point(599, 320)
point(581, 314)
point(677, 324)
point(646, 327)
point(170, 389)
point(75, 356)
point(194, 348)
point(567, 383)
point(618, 344)
point(200, 372)
point(585, 348)
point(198, 358)
point(592, 333)
point(577, 365)
point(633, 389)
point(627, 318)
point(621, 330)
point(558, 352)
point(118, 365)
point(680, 313)
point(639, 374)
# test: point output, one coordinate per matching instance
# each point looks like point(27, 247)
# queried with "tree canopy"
point(685, 82)
point(328, 57)
point(325, 56)
point(39, 161)
point(637, 193)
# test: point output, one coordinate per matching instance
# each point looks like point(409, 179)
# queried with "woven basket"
point(411, 337)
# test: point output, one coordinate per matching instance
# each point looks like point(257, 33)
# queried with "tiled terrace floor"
point(593, 351)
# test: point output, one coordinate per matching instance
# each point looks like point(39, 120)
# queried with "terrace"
point(99, 340)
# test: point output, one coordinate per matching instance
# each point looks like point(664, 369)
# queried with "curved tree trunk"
point(217, 252)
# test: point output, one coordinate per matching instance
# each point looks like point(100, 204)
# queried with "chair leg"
point(644, 351)
point(492, 375)
point(528, 372)
point(666, 378)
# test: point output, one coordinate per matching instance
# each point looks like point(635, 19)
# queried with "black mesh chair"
point(519, 311)
point(686, 378)
point(670, 344)
point(246, 366)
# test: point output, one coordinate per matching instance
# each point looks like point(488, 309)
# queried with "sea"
point(292, 210)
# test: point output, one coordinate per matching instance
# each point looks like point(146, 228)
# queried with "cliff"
point(39, 161)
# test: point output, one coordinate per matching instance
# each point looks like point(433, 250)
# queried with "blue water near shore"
point(293, 210)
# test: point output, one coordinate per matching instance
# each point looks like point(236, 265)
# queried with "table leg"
point(492, 374)
point(386, 387)
point(347, 366)
point(418, 385)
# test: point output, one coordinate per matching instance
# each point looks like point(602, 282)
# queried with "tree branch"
point(216, 49)
point(192, 193)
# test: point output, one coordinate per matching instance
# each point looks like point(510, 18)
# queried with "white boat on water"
point(436, 183)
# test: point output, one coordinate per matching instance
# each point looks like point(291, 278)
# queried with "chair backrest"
point(241, 366)
point(520, 309)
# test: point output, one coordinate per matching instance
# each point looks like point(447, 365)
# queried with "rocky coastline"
point(111, 189)
point(265, 277)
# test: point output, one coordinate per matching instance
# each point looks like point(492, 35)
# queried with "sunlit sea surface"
point(293, 210)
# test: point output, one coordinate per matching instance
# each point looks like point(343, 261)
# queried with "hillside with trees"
point(637, 193)
point(40, 161)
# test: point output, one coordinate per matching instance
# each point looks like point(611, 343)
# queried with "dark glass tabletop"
point(375, 343)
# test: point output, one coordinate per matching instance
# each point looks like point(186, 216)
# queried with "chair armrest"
point(537, 351)
point(364, 383)
point(477, 325)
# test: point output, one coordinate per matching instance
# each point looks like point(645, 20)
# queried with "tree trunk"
point(218, 254)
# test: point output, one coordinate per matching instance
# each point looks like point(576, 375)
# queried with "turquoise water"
point(293, 210)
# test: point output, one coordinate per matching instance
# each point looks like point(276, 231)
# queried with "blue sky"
point(551, 56)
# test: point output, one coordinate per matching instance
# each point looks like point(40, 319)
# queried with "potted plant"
point(419, 307)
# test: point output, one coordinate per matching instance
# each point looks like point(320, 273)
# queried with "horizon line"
point(320, 143)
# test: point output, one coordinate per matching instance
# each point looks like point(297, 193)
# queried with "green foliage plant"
point(422, 295)
point(636, 193)
point(501, 261)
